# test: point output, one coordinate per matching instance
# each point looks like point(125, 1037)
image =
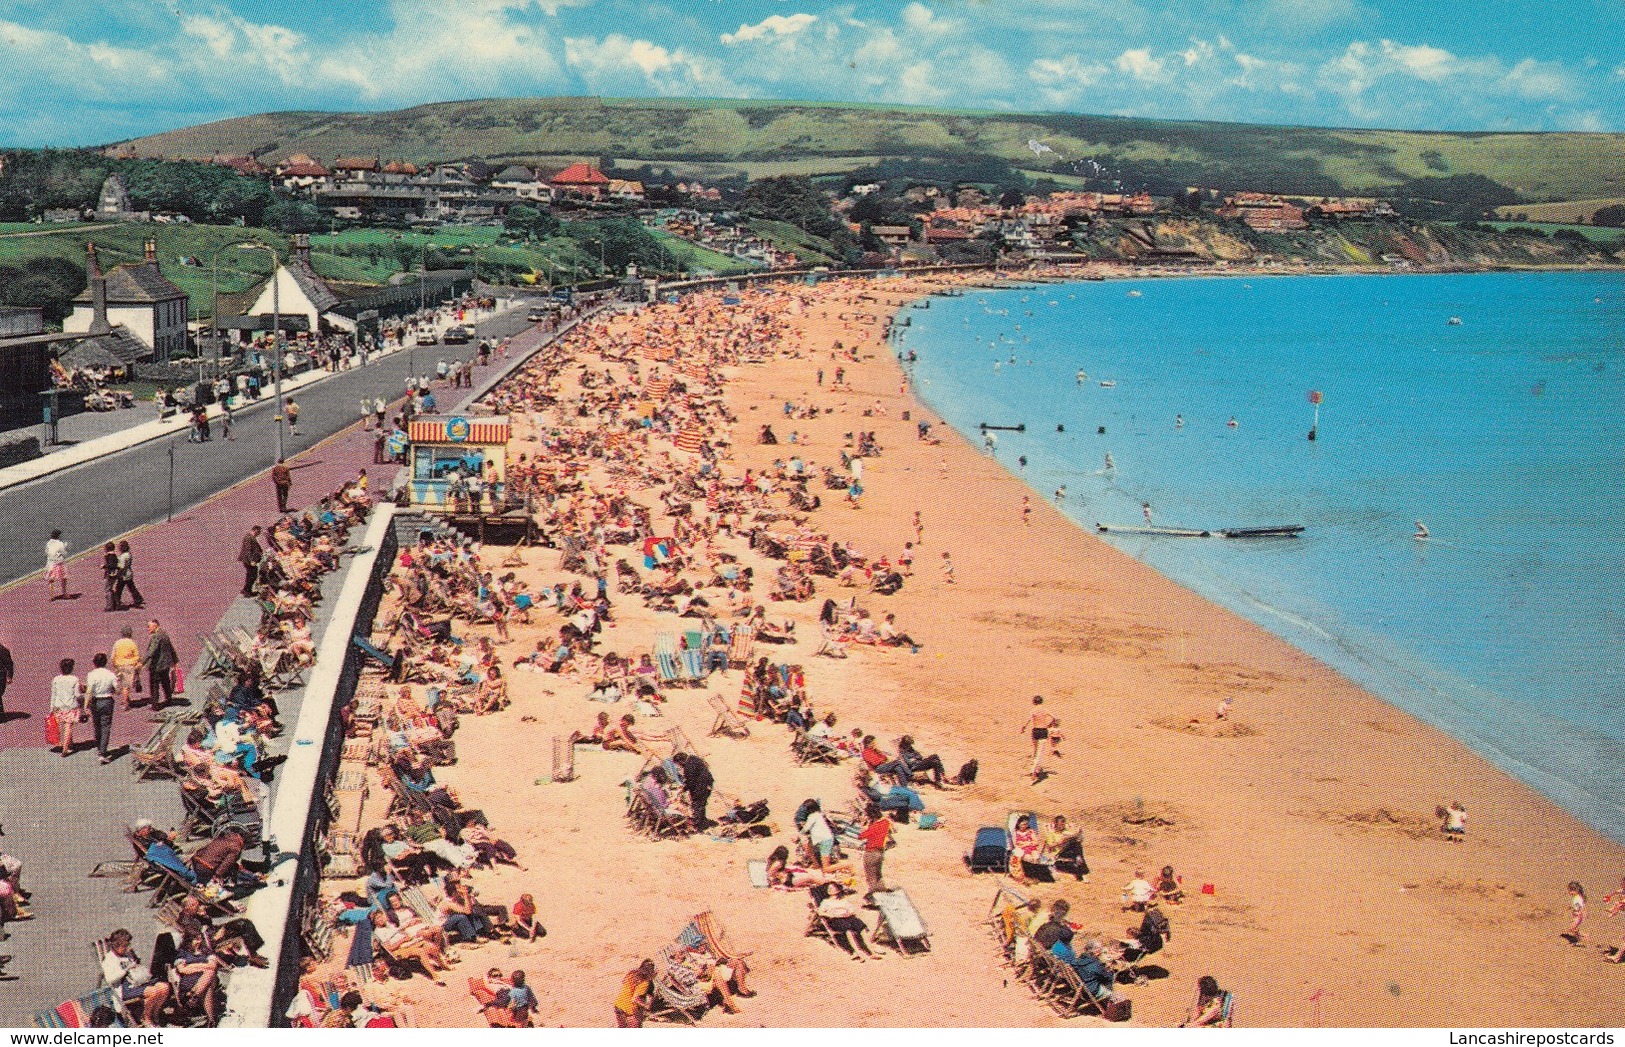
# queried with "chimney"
point(152, 253)
point(98, 294)
point(301, 247)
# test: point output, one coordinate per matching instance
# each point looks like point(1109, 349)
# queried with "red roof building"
point(580, 181)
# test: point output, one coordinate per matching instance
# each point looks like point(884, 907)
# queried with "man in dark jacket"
point(698, 782)
point(249, 556)
point(160, 661)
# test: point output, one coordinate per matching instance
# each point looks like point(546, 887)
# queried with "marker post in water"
point(1315, 398)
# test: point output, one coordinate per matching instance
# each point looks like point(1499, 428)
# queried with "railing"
point(258, 998)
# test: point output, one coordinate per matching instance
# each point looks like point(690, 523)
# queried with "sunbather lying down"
point(781, 873)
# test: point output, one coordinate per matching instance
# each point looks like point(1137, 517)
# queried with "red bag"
point(53, 731)
point(179, 677)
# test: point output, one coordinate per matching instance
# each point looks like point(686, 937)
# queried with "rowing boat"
point(1278, 531)
point(1164, 532)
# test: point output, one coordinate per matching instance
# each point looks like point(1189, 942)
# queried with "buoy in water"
point(1060, 428)
point(1101, 430)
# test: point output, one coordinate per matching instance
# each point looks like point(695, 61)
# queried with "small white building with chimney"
point(296, 290)
point(138, 298)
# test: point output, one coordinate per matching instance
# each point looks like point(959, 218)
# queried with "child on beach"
point(1026, 511)
point(919, 527)
point(906, 560)
point(947, 570)
point(1577, 907)
point(1617, 953)
point(1223, 711)
point(1455, 820)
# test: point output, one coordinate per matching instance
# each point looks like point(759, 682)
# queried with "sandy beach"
point(1335, 898)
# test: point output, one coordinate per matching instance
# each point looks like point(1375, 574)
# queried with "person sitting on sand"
point(1025, 849)
point(622, 738)
point(1168, 887)
point(1616, 905)
point(1209, 1007)
point(1138, 892)
point(1097, 978)
point(1063, 848)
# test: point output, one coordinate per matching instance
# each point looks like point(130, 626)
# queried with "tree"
point(1612, 215)
point(532, 221)
point(49, 284)
point(617, 242)
point(793, 199)
point(292, 216)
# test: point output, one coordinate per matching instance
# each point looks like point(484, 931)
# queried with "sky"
point(85, 72)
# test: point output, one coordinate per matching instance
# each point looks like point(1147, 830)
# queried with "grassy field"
point(814, 250)
point(1596, 234)
point(1569, 211)
point(770, 136)
point(372, 255)
point(698, 257)
point(116, 244)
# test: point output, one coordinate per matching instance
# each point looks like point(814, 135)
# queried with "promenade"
point(62, 816)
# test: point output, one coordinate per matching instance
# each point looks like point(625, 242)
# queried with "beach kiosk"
point(448, 453)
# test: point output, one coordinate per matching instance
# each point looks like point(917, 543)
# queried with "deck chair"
point(673, 1004)
point(1004, 899)
point(419, 903)
point(371, 650)
point(155, 758)
point(669, 820)
point(1067, 993)
point(75, 1014)
point(219, 661)
point(696, 665)
point(899, 924)
point(727, 722)
point(667, 662)
point(741, 647)
point(564, 759)
point(716, 940)
point(808, 749)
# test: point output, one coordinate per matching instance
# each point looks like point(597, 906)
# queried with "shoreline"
point(1308, 810)
point(1395, 674)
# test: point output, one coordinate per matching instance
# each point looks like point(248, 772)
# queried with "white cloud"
point(1532, 79)
point(1138, 63)
point(920, 19)
point(620, 62)
point(771, 26)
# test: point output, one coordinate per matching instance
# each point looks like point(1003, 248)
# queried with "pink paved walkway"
point(188, 573)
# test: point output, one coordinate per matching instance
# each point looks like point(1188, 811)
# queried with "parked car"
point(457, 336)
point(426, 337)
point(536, 315)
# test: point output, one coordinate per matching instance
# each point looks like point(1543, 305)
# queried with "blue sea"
point(1504, 433)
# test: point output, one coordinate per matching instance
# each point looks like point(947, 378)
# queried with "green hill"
point(713, 138)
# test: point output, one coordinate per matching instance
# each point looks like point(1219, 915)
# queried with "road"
point(103, 499)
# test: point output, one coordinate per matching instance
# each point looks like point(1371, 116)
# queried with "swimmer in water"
point(1422, 533)
point(1060, 494)
point(1232, 423)
point(1082, 377)
point(1179, 421)
point(1145, 507)
point(1111, 466)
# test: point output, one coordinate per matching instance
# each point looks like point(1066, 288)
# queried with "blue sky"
point(94, 71)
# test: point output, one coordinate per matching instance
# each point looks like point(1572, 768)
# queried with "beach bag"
point(53, 731)
point(179, 678)
point(1119, 1009)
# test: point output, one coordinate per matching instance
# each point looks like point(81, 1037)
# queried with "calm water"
point(1504, 433)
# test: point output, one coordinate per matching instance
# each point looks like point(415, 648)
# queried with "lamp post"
point(276, 333)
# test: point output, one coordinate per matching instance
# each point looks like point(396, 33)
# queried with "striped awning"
point(459, 430)
point(657, 389)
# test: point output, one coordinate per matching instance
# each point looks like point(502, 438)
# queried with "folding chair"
point(371, 650)
point(727, 722)
point(564, 759)
point(716, 939)
point(741, 647)
point(900, 924)
point(667, 662)
point(696, 666)
point(155, 758)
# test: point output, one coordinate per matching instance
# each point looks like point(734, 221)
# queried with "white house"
point(522, 182)
point(141, 300)
point(296, 290)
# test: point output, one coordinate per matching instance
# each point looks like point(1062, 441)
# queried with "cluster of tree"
point(534, 222)
point(617, 242)
point(37, 180)
point(1453, 198)
point(793, 199)
point(48, 283)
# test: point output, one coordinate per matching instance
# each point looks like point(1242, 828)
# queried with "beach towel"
point(757, 870)
point(360, 946)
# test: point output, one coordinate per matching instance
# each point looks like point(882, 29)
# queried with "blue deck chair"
point(694, 657)
point(667, 661)
point(372, 651)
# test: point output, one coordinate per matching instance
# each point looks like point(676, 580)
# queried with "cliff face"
point(1206, 239)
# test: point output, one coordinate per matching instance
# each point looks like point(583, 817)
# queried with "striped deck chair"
point(695, 663)
point(564, 759)
point(419, 903)
point(741, 647)
point(727, 722)
point(667, 659)
point(75, 1014)
point(716, 939)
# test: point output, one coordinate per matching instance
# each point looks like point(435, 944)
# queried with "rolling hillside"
point(757, 138)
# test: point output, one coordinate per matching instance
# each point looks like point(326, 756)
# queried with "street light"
point(276, 332)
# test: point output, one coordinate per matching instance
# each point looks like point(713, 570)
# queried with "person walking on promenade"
point(126, 664)
point(126, 577)
point(366, 415)
point(110, 576)
point(378, 410)
point(67, 701)
point(8, 671)
point(160, 661)
point(56, 565)
point(250, 555)
point(292, 411)
point(225, 418)
point(282, 480)
point(100, 687)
